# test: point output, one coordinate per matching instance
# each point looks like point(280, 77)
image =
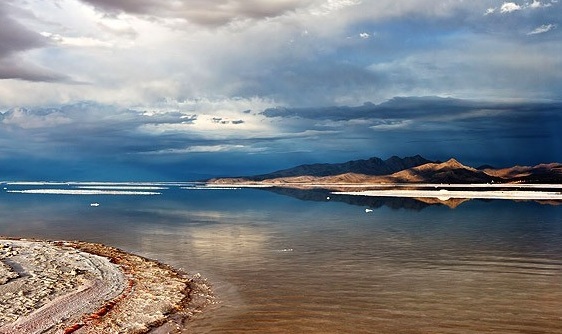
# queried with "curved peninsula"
point(79, 287)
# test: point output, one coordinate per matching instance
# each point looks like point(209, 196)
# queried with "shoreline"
point(509, 191)
point(444, 194)
point(264, 184)
point(80, 287)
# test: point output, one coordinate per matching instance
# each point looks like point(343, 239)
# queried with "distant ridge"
point(372, 166)
point(543, 173)
point(415, 169)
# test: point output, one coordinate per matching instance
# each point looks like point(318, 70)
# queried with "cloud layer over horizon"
point(180, 85)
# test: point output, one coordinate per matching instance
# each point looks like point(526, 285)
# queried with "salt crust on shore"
point(447, 194)
point(67, 287)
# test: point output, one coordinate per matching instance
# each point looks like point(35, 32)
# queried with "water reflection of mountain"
point(322, 195)
point(417, 204)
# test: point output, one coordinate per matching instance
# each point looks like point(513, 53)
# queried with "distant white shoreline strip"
point(446, 194)
point(387, 185)
point(237, 185)
point(410, 185)
point(82, 192)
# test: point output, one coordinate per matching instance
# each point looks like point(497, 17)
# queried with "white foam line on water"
point(82, 192)
point(97, 183)
point(127, 184)
point(117, 187)
point(210, 188)
point(445, 194)
point(36, 183)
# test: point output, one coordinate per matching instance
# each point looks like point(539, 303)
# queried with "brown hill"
point(372, 166)
point(450, 171)
point(408, 170)
point(543, 173)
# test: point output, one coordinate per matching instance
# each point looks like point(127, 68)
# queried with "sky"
point(189, 89)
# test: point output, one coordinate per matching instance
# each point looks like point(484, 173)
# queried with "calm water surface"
point(281, 264)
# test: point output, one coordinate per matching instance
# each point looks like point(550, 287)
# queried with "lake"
point(285, 261)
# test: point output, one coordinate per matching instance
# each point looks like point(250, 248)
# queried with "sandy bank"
point(67, 287)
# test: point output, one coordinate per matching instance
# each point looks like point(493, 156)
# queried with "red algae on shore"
point(79, 287)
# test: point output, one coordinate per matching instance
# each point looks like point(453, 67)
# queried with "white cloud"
point(77, 41)
point(27, 120)
point(202, 149)
point(509, 7)
point(330, 6)
point(391, 124)
point(542, 29)
point(538, 4)
point(207, 149)
point(131, 59)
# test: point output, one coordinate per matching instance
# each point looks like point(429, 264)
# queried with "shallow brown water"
point(282, 265)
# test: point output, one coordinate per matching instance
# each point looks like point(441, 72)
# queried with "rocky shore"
point(79, 287)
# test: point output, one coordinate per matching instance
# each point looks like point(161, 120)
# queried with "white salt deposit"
point(448, 194)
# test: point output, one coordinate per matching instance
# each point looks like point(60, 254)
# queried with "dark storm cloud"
point(14, 69)
point(398, 107)
point(211, 13)
point(474, 132)
point(208, 85)
point(131, 6)
point(16, 38)
point(422, 108)
point(86, 129)
point(438, 128)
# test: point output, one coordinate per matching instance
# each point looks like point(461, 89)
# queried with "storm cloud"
point(14, 39)
point(186, 85)
point(477, 131)
point(212, 13)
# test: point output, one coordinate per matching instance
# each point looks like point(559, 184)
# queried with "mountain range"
point(415, 169)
